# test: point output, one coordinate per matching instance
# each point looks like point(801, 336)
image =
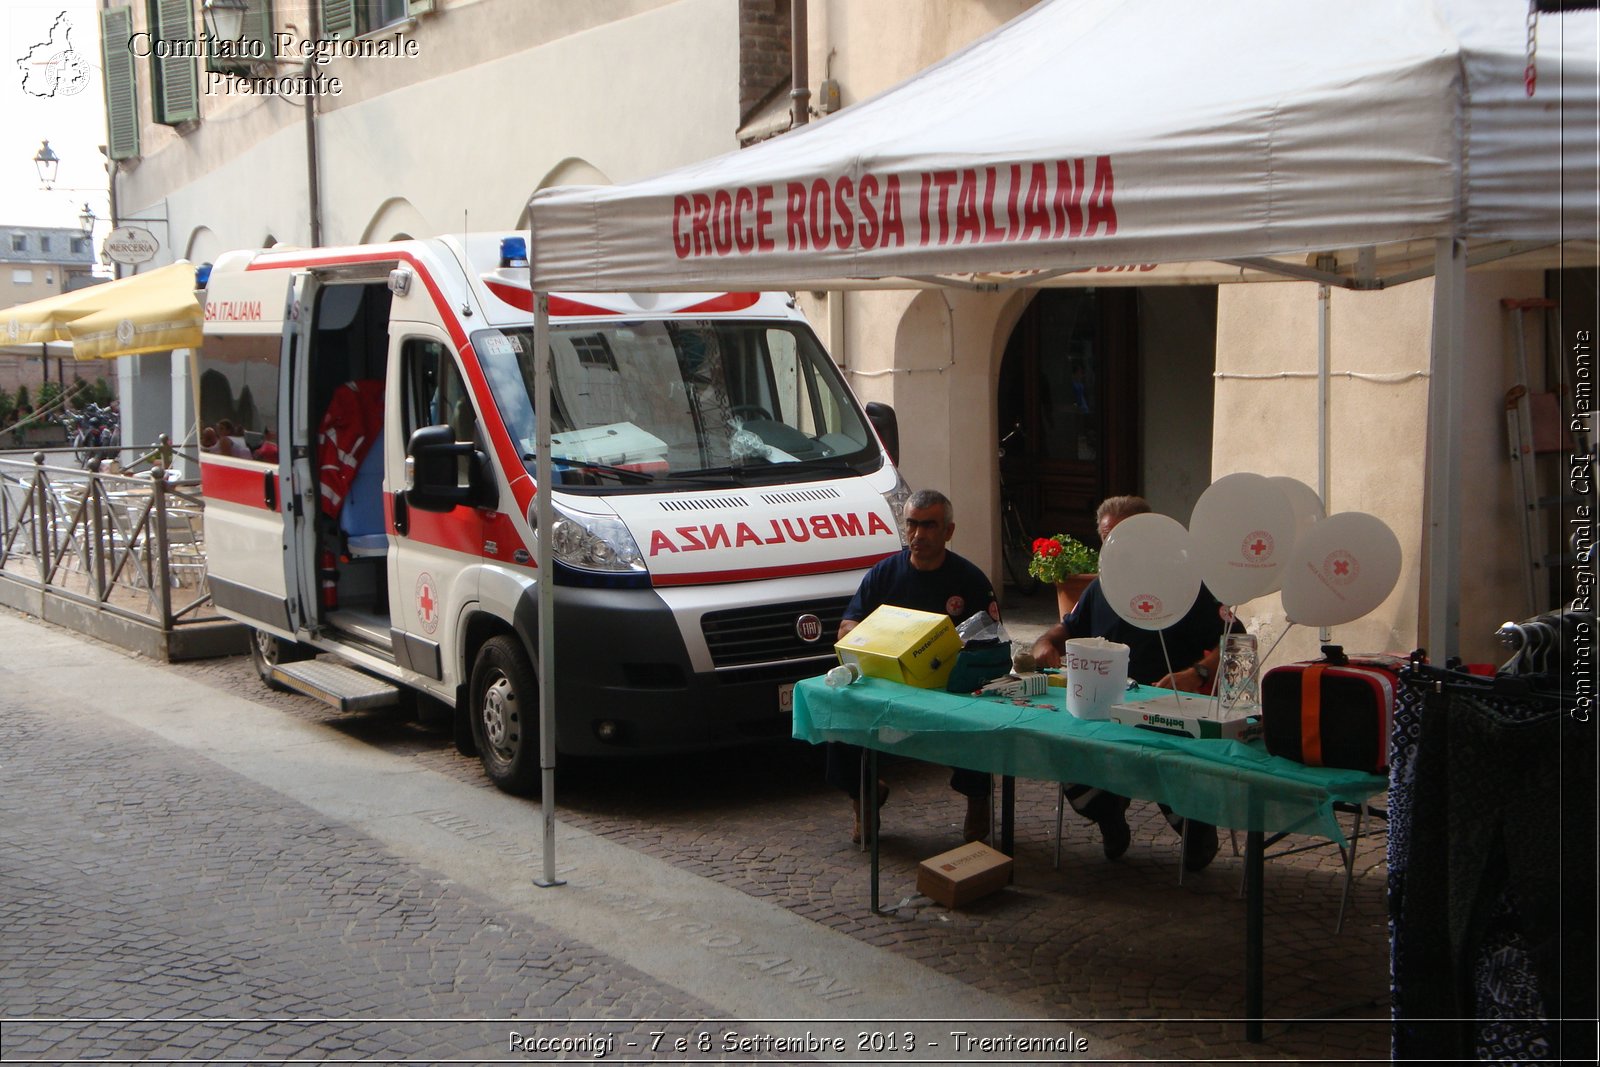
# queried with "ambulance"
point(368, 436)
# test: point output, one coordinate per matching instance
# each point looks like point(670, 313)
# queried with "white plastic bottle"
point(842, 675)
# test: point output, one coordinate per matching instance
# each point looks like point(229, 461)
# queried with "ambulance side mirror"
point(883, 420)
point(433, 465)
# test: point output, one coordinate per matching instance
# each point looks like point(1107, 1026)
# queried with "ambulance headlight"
point(896, 499)
point(593, 543)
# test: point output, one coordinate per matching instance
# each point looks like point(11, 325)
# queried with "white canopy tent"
point(1360, 143)
point(1088, 133)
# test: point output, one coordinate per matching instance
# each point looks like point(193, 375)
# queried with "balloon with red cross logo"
point(1147, 571)
point(1343, 568)
point(1243, 528)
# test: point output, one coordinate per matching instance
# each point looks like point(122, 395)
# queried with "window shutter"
point(419, 7)
point(122, 88)
point(255, 40)
point(177, 88)
point(339, 19)
point(258, 27)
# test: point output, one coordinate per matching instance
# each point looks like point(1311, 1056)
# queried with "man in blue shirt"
point(925, 576)
point(1191, 646)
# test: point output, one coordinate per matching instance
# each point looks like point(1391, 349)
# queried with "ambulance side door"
point(434, 555)
point(252, 506)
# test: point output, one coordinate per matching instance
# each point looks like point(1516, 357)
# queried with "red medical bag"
point(1333, 712)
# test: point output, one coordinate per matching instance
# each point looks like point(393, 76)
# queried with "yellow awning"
point(150, 312)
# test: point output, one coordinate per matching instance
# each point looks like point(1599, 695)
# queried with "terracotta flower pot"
point(1069, 589)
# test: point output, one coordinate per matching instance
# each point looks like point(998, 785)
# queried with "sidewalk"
point(225, 852)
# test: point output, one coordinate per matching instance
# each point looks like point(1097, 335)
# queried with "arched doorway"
point(1069, 402)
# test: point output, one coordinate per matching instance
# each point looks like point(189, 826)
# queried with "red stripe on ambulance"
point(751, 574)
point(242, 485)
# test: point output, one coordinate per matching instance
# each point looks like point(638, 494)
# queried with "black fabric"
point(1491, 815)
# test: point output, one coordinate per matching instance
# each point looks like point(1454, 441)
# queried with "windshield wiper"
point(621, 474)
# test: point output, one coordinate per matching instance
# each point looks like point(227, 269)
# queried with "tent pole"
point(543, 410)
point(1444, 452)
point(1324, 329)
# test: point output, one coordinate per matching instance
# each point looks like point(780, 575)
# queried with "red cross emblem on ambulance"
point(427, 603)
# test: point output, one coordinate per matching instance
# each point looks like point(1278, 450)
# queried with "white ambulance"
point(367, 461)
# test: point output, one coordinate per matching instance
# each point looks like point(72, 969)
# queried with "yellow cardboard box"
point(914, 647)
point(963, 874)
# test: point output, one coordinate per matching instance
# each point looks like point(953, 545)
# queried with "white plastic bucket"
point(1097, 675)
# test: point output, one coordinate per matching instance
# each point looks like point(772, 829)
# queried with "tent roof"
point(1094, 133)
point(150, 312)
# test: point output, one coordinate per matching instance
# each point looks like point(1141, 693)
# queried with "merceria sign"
point(131, 244)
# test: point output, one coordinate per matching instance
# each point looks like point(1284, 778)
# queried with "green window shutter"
point(258, 28)
point(122, 88)
point(339, 19)
point(419, 7)
point(176, 80)
point(255, 41)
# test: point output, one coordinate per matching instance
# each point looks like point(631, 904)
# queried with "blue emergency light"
point(513, 252)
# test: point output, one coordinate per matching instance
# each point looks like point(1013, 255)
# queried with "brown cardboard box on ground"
point(913, 647)
point(963, 874)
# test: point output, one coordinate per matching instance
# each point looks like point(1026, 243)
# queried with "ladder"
point(1533, 428)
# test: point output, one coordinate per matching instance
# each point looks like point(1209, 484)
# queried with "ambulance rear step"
point(342, 687)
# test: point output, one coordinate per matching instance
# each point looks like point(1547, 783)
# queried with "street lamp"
point(47, 163)
point(225, 19)
point(88, 218)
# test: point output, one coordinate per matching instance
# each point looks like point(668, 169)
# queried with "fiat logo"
point(809, 629)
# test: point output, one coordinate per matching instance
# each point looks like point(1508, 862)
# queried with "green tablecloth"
point(1227, 783)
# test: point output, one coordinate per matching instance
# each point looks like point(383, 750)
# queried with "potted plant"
point(1068, 564)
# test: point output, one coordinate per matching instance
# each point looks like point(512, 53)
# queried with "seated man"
point(1191, 644)
point(925, 576)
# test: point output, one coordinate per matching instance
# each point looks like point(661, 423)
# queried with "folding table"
point(1226, 783)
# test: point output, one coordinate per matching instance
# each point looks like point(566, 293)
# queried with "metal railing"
point(123, 544)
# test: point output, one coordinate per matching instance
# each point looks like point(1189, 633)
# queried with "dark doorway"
point(1069, 389)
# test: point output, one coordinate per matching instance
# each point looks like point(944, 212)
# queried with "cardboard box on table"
point(913, 647)
point(1191, 715)
point(963, 874)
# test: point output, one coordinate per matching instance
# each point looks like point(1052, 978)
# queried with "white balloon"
point(1243, 530)
point(1341, 569)
point(1308, 511)
point(1147, 571)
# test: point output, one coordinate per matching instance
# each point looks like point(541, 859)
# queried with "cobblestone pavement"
point(94, 925)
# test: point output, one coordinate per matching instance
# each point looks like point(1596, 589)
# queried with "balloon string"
point(1262, 660)
point(1168, 660)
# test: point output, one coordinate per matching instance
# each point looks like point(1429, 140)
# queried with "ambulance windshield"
point(647, 403)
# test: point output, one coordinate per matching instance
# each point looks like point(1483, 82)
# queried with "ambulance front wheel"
point(505, 715)
point(268, 651)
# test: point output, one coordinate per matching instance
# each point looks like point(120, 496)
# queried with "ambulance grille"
point(739, 637)
point(801, 496)
point(700, 503)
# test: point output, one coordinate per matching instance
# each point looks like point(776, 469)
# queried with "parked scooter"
point(94, 432)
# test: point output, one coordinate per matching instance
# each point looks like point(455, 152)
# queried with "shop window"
point(352, 18)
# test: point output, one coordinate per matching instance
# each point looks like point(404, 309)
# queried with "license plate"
point(786, 698)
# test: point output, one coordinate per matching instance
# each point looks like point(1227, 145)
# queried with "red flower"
point(1050, 548)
